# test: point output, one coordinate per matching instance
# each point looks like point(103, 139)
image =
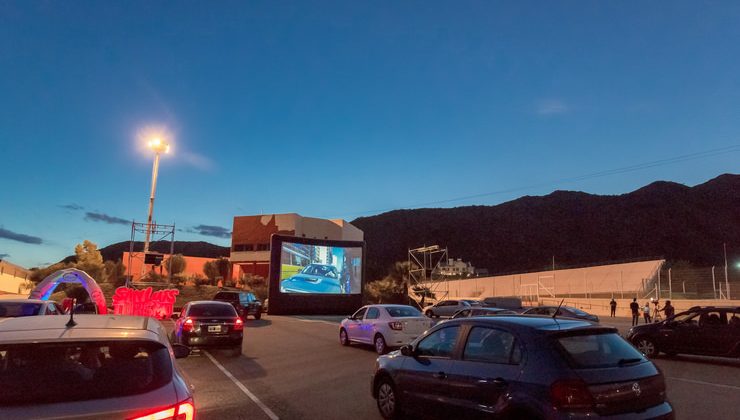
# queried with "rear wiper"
point(623, 362)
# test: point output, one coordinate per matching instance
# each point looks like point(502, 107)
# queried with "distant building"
point(456, 268)
point(250, 237)
point(13, 278)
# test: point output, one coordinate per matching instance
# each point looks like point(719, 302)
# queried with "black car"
point(464, 313)
point(519, 367)
point(708, 331)
point(245, 303)
point(208, 323)
point(562, 311)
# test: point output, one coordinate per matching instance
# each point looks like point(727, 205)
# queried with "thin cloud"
point(215, 231)
point(198, 161)
point(102, 217)
point(72, 206)
point(20, 237)
point(551, 107)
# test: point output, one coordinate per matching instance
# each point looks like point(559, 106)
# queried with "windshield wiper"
point(623, 362)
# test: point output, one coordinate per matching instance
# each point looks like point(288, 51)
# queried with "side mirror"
point(180, 351)
point(174, 316)
point(407, 350)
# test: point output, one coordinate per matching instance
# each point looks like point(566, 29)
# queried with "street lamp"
point(158, 146)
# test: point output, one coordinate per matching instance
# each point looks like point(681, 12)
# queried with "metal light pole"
point(158, 146)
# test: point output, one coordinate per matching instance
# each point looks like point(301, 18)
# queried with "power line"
point(614, 171)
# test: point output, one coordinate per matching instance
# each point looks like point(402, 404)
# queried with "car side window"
point(360, 313)
point(372, 313)
point(50, 310)
point(465, 312)
point(440, 343)
point(491, 345)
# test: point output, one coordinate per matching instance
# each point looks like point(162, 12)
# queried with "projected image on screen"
point(320, 269)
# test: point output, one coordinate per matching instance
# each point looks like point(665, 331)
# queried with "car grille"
point(628, 397)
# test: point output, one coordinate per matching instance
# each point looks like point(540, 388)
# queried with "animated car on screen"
point(313, 278)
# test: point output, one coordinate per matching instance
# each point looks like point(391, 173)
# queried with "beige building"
point(13, 278)
point(250, 237)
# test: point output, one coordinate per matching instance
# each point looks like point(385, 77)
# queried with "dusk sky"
point(343, 109)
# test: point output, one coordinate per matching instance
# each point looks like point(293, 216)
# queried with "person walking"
point(613, 306)
point(646, 312)
point(635, 308)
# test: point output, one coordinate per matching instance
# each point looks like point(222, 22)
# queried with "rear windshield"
point(577, 311)
point(60, 372)
point(599, 350)
point(228, 297)
point(14, 309)
point(401, 312)
point(211, 310)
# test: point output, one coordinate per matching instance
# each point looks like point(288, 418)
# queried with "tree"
point(217, 268)
point(175, 264)
point(391, 288)
point(90, 260)
point(257, 284)
point(115, 273)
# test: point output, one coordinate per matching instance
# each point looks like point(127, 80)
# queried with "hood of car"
point(312, 278)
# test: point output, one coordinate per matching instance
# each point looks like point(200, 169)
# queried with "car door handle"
point(440, 375)
point(498, 382)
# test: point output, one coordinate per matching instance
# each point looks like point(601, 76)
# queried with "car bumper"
point(399, 338)
point(226, 340)
point(662, 411)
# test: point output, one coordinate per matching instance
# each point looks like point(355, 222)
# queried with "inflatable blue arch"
point(70, 275)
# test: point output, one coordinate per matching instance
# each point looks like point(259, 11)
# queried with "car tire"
point(380, 345)
point(343, 337)
point(429, 313)
point(258, 315)
point(387, 399)
point(646, 346)
point(236, 351)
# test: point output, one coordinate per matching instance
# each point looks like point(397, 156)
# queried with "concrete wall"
point(13, 278)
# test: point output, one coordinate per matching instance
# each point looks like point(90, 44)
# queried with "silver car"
point(11, 308)
point(117, 367)
point(445, 308)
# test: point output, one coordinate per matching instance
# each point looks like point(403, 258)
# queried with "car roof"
point(21, 300)
point(390, 305)
point(540, 323)
point(89, 328)
point(209, 302)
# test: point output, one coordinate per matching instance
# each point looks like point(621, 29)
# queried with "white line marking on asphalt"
point(320, 321)
point(243, 388)
point(694, 381)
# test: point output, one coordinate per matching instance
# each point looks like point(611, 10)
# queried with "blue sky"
point(340, 109)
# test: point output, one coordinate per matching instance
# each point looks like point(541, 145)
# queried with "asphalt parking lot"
point(294, 368)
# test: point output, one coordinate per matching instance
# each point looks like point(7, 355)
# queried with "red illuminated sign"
point(145, 302)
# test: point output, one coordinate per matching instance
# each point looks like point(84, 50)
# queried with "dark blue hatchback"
point(520, 367)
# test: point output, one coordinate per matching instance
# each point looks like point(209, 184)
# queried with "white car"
point(113, 367)
point(383, 326)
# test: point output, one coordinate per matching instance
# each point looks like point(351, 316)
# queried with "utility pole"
point(727, 281)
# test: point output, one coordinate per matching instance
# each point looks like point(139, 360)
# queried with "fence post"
point(657, 290)
point(670, 285)
point(714, 285)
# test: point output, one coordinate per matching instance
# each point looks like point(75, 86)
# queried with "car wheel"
point(646, 346)
point(387, 399)
point(429, 313)
point(258, 315)
point(343, 339)
point(236, 351)
point(380, 346)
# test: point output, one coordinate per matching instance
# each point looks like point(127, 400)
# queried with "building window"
point(263, 247)
point(243, 247)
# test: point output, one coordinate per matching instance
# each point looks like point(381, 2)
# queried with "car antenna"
point(557, 310)
point(71, 323)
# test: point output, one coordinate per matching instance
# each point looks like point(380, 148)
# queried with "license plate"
point(214, 328)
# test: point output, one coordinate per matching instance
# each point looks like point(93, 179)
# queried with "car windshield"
point(16, 309)
point(401, 312)
point(227, 297)
point(60, 372)
point(320, 270)
point(684, 316)
point(599, 350)
point(205, 310)
point(577, 311)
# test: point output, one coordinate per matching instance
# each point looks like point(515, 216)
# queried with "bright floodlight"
point(158, 145)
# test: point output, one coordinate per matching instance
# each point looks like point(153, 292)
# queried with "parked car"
point(472, 302)
point(519, 367)
point(504, 302)
point(383, 326)
point(563, 311)
point(245, 303)
point(445, 308)
point(313, 278)
point(11, 308)
point(708, 330)
point(207, 323)
point(482, 312)
point(118, 367)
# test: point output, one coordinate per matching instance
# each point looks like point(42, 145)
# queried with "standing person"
point(635, 308)
point(613, 305)
point(668, 309)
point(646, 312)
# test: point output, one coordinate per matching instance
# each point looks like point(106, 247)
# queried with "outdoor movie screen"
point(318, 269)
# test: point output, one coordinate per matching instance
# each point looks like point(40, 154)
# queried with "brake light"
point(571, 395)
point(183, 411)
point(238, 325)
point(397, 325)
point(188, 325)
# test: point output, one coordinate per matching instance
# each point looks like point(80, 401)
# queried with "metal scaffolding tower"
point(425, 282)
point(159, 233)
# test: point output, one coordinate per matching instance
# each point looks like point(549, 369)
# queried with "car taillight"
point(187, 325)
point(183, 411)
point(398, 326)
point(238, 325)
point(571, 395)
